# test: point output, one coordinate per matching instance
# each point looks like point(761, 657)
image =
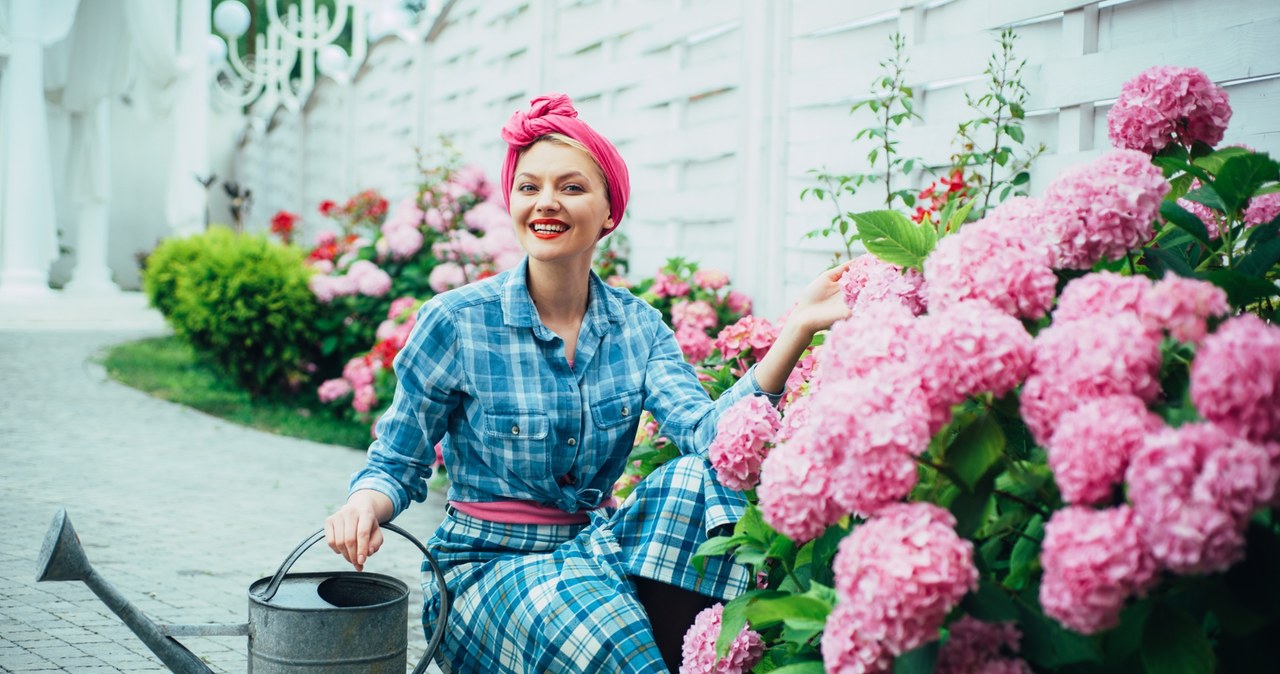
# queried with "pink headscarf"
point(554, 113)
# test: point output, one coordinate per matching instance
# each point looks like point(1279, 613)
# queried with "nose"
point(546, 201)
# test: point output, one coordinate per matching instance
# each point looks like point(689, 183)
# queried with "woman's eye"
point(573, 187)
point(525, 188)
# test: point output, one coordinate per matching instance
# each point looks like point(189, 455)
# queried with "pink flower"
point(1101, 294)
point(375, 283)
point(869, 279)
point(843, 652)
point(618, 281)
point(1213, 220)
point(488, 217)
point(1235, 378)
point(795, 489)
point(1094, 561)
point(1091, 445)
point(1168, 104)
point(1039, 224)
point(1262, 209)
point(1116, 198)
point(699, 648)
point(697, 315)
point(985, 262)
point(436, 220)
point(881, 334)
point(710, 279)
point(738, 302)
point(358, 372)
point(970, 348)
point(322, 287)
point(668, 285)
point(333, 389)
point(1182, 306)
point(1080, 360)
point(403, 242)
point(748, 333)
point(399, 307)
point(365, 399)
point(742, 434)
point(695, 344)
point(1193, 489)
point(447, 275)
point(976, 647)
point(900, 574)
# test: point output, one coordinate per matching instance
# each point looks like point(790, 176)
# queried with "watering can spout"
point(62, 558)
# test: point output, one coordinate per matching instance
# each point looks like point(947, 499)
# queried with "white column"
point(29, 230)
point(92, 275)
point(187, 201)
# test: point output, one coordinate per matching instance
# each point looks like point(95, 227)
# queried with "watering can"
point(331, 623)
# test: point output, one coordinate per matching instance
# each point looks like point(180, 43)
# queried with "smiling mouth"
point(549, 229)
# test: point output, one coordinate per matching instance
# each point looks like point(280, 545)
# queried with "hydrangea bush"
point(1048, 440)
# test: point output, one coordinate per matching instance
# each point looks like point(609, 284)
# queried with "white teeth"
point(550, 229)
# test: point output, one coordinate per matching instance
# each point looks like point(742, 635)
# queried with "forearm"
point(373, 501)
point(773, 370)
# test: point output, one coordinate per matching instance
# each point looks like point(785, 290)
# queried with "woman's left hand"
point(821, 303)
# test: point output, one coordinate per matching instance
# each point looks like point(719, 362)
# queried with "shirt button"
point(626, 411)
point(515, 430)
point(572, 442)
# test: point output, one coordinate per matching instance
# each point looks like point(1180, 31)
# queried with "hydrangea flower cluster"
point(1193, 489)
point(870, 280)
point(1168, 104)
point(361, 278)
point(1115, 198)
point(1094, 561)
point(897, 577)
point(750, 334)
point(359, 375)
point(1235, 378)
point(987, 262)
point(699, 649)
point(976, 647)
point(1090, 448)
point(743, 435)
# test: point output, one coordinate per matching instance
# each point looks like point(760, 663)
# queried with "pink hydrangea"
point(970, 348)
point(334, 389)
point(365, 398)
point(742, 435)
point(488, 218)
point(699, 650)
point(986, 262)
point(1080, 360)
point(1193, 489)
point(843, 652)
point(697, 314)
point(749, 333)
point(695, 344)
point(1262, 209)
point(1101, 294)
point(738, 302)
point(795, 488)
point(1038, 224)
point(437, 220)
point(976, 647)
point(399, 306)
point(1235, 378)
point(1116, 198)
point(447, 275)
point(869, 279)
point(1091, 445)
point(668, 285)
point(710, 279)
point(403, 242)
point(1168, 104)
point(1094, 561)
point(880, 335)
point(900, 574)
point(358, 371)
point(1182, 306)
point(322, 287)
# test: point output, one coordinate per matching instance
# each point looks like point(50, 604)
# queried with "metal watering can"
point(331, 623)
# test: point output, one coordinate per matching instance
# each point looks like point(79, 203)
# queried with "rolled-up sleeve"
point(428, 390)
point(677, 400)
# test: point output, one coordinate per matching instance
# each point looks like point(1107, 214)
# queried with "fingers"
point(353, 534)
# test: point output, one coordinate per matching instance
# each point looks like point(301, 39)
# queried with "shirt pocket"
point(518, 439)
point(617, 410)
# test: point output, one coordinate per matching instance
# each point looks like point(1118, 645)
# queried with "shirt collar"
point(518, 310)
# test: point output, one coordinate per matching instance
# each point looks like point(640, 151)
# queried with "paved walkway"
point(180, 511)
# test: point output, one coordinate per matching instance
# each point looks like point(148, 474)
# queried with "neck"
point(559, 289)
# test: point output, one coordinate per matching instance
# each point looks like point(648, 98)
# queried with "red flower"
point(282, 224)
point(327, 207)
point(386, 351)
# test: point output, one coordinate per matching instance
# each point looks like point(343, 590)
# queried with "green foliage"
point(243, 302)
point(169, 262)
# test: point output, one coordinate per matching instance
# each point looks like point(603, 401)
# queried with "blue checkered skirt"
point(558, 598)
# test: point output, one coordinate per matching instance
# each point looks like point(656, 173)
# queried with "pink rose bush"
point(1045, 440)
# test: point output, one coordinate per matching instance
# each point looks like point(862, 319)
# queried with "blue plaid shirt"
point(482, 374)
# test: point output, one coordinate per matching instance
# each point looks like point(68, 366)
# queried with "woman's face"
point(559, 202)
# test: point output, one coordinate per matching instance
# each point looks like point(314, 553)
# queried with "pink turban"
point(554, 113)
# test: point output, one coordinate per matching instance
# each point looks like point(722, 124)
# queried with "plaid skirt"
point(558, 598)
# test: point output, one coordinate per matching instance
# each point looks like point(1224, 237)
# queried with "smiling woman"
point(532, 382)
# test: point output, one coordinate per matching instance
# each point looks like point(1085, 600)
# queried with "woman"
point(534, 381)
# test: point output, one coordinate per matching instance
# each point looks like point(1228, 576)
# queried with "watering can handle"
point(437, 635)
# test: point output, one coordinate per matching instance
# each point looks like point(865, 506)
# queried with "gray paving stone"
point(178, 510)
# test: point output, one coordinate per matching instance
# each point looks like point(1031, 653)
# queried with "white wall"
point(723, 107)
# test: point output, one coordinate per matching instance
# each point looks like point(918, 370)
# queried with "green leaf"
point(1173, 643)
point(1241, 289)
point(958, 217)
point(1263, 233)
point(1025, 553)
point(1261, 260)
point(1021, 179)
point(972, 508)
point(1172, 166)
point(991, 603)
point(753, 526)
point(1164, 260)
point(975, 450)
point(1241, 175)
point(764, 613)
point(918, 661)
point(1213, 162)
point(1185, 220)
point(810, 667)
point(1208, 196)
point(732, 621)
point(892, 237)
point(1015, 132)
point(1047, 645)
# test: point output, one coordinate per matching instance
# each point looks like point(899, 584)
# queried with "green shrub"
point(243, 302)
point(169, 261)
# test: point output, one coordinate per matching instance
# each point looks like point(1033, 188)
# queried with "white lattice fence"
point(723, 108)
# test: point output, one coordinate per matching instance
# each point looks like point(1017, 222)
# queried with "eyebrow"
point(562, 176)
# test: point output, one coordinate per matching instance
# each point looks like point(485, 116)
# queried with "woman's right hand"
point(353, 531)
